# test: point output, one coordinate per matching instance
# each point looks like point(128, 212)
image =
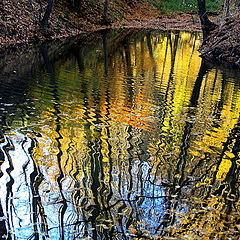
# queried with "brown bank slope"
point(19, 21)
point(223, 44)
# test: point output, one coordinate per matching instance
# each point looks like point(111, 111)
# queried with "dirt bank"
point(19, 22)
point(223, 45)
point(178, 21)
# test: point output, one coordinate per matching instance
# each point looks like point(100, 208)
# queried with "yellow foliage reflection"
point(139, 138)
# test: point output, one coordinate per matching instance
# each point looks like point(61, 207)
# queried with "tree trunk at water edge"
point(44, 21)
point(207, 25)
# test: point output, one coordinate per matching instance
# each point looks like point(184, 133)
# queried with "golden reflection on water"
point(131, 137)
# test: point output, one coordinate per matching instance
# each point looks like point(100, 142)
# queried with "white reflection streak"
point(21, 194)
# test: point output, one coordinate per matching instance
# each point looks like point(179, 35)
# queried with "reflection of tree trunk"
point(36, 178)
point(97, 186)
point(129, 72)
point(165, 58)
point(189, 124)
point(190, 59)
point(105, 53)
point(97, 183)
point(173, 57)
point(174, 50)
point(128, 57)
point(60, 177)
point(149, 43)
point(95, 172)
point(85, 178)
point(232, 145)
point(109, 154)
point(214, 81)
point(3, 229)
point(197, 85)
point(178, 182)
point(226, 191)
point(220, 103)
point(1, 155)
point(207, 25)
point(9, 198)
point(77, 52)
point(59, 136)
point(142, 57)
point(130, 185)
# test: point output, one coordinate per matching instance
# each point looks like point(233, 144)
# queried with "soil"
point(223, 44)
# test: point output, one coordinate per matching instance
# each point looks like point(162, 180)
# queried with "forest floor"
point(178, 21)
point(223, 45)
point(19, 22)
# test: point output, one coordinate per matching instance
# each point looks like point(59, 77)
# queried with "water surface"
point(123, 135)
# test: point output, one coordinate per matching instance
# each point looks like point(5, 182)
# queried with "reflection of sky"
point(19, 217)
point(21, 210)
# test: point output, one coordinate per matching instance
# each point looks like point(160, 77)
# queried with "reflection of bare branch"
point(179, 181)
point(9, 197)
point(36, 178)
point(60, 177)
point(226, 191)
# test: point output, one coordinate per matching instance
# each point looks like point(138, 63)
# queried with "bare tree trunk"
point(105, 12)
point(207, 25)
point(44, 21)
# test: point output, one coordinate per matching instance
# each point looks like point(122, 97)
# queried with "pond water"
point(122, 135)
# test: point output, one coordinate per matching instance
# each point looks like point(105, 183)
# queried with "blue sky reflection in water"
point(121, 135)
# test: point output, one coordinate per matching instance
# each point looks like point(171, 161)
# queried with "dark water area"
point(119, 135)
